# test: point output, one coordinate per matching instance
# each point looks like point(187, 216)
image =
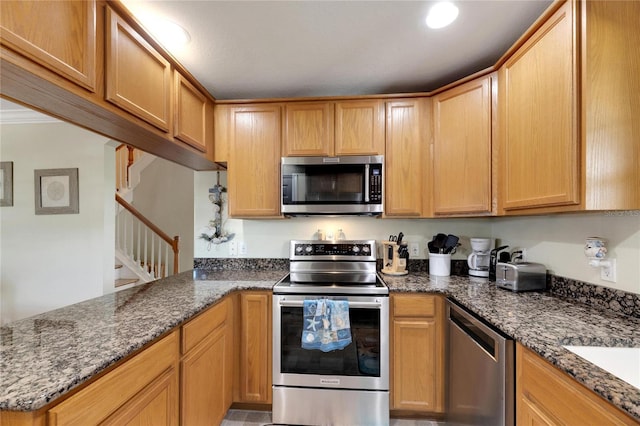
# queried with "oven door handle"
point(355, 305)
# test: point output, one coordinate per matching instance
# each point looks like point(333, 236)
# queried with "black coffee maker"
point(496, 255)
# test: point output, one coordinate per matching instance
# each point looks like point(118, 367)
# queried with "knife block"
point(392, 263)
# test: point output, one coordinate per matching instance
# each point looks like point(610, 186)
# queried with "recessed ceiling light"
point(442, 14)
point(171, 35)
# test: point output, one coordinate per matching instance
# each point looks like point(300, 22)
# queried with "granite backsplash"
point(596, 296)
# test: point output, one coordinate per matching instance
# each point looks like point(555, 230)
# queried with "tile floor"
point(262, 418)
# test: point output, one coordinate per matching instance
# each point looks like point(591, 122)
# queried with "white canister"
point(439, 264)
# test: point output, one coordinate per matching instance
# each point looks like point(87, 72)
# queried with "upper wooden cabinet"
point(406, 157)
point(417, 353)
point(462, 149)
point(540, 163)
point(60, 36)
point(192, 124)
point(91, 64)
point(308, 129)
point(610, 105)
point(568, 128)
point(138, 78)
point(327, 128)
point(254, 160)
point(359, 127)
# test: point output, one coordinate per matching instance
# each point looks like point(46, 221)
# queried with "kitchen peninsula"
point(47, 358)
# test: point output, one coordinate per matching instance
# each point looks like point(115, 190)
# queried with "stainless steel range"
point(341, 386)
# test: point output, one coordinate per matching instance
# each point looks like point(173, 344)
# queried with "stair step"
point(124, 281)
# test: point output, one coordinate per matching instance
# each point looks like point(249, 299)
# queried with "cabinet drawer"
point(201, 326)
point(414, 305)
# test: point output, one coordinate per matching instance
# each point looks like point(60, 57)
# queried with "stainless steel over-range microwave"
point(332, 185)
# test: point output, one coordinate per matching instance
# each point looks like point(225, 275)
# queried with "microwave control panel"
point(375, 183)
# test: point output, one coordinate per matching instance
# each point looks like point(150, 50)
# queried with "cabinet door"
point(138, 78)
point(405, 159)
point(59, 35)
point(546, 395)
point(359, 127)
point(413, 360)
point(155, 405)
point(417, 353)
point(222, 132)
point(254, 161)
point(255, 347)
point(308, 129)
point(531, 415)
point(144, 388)
point(538, 97)
point(207, 377)
point(462, 149)
point(190, 114)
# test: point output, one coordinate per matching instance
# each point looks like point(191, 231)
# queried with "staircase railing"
point(125, 157)
point(142, 241)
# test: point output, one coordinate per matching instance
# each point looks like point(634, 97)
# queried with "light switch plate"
point(233, 248)
point(414, 249)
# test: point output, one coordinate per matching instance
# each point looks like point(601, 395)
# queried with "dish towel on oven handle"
point(326, 324)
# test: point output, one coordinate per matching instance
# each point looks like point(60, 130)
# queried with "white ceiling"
point(259, 49)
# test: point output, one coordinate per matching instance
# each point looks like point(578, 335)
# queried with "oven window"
point(338, 184)
point(360, 358)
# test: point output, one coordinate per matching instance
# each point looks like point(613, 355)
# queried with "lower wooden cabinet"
point(547, 396)
point(142, 391)
point(417, 353)
point(206, 380)
point(255, 347)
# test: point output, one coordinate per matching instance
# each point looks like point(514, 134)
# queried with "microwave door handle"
point(366, 183)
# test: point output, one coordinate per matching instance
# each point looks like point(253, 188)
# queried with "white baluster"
point(153, 250)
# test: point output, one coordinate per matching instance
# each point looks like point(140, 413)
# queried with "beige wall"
point(557, 241)
point(49, 261)
point(165, 196)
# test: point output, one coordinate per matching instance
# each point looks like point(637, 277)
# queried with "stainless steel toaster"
point(521, 276)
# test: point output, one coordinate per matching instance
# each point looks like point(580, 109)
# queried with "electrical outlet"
point(233, 248)
point(242, 248)
point(608, 273)
point(414, 249)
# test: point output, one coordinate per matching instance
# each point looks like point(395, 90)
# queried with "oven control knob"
point(365, 249)
point(298, 249)
point(308, 249)
point(355, 249)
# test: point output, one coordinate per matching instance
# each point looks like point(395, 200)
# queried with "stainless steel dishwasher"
point(480, 371)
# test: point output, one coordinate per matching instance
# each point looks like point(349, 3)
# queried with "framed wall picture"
point(56, 191)
point(6, 183)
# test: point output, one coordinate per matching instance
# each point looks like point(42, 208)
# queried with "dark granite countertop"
point(544, 324)
point(43, 357)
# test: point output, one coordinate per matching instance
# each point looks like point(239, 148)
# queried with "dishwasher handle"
point(488, 339)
